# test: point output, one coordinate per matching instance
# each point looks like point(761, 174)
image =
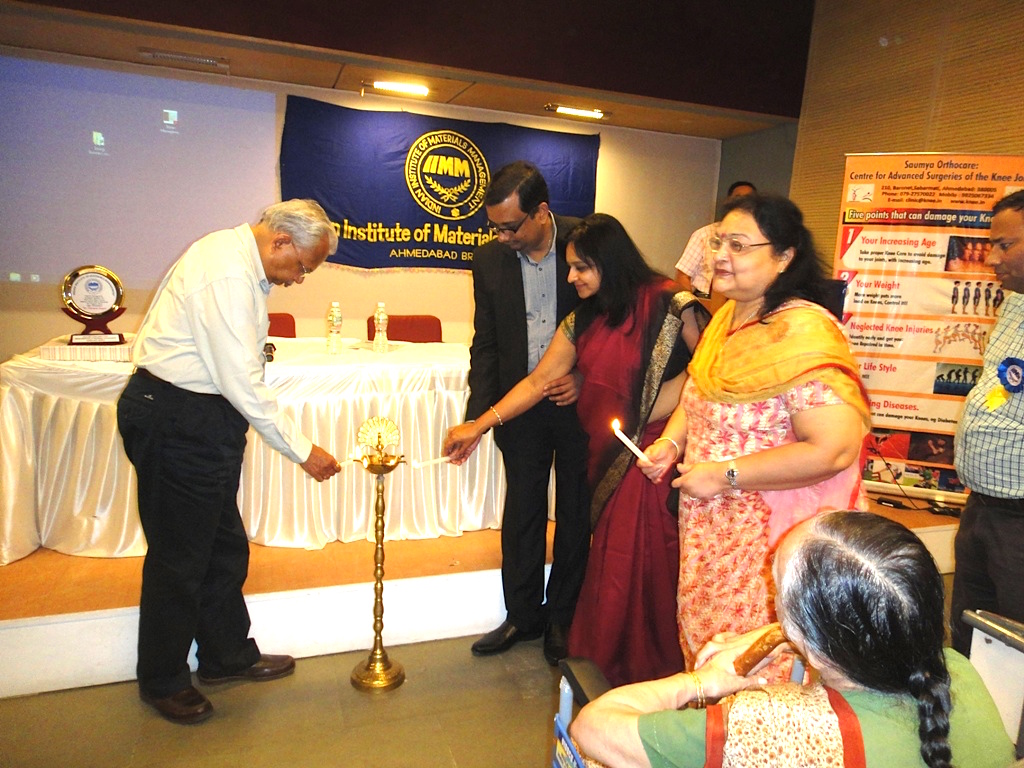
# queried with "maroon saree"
point(625, 618)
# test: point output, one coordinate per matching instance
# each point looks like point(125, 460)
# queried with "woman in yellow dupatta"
point(769, 424)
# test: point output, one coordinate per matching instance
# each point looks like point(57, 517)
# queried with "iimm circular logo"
point(447, 175)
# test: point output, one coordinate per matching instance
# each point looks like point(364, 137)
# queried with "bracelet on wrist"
point(698, 701)
point(497, 416)
point(669, 440)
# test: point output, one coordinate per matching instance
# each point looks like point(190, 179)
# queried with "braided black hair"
point(864, 593)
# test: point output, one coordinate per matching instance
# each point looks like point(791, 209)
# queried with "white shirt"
point(206, 328)
point(696, 260)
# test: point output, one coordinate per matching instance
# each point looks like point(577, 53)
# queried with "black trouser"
point(187, 450)
point(528, 444)
point(989, 575)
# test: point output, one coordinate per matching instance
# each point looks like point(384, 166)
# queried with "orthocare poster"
point(912, 243)
point(407, 190)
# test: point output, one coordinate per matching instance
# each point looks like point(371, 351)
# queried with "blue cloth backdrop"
point(407, 190)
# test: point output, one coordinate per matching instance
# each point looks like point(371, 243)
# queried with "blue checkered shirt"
point(989, 446)
point(540, 289)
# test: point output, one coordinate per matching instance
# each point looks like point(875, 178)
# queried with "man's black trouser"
point(187, 451)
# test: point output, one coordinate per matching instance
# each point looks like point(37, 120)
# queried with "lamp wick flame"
point(615, 424)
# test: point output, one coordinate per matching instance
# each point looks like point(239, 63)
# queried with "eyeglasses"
point(305, 270)
point(731, 245)
point(509, 229)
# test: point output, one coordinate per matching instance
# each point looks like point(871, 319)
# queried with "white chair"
point(997, 652)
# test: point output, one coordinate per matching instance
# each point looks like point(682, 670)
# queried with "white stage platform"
point(74, 650)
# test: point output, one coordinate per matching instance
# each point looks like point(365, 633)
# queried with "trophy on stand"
point(378, 672)
point(92, 295)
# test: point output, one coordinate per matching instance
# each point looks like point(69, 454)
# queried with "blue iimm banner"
point(407, 190)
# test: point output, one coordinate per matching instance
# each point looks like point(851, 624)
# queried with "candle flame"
point(615, 424)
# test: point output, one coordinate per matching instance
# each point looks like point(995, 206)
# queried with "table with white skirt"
point(66, 483)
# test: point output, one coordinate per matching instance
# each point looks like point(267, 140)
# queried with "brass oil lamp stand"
point(378, 672)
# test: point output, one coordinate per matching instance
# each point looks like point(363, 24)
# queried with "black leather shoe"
point(501, 639)
point(267, 668)
point(556, 643)
point(186, 707)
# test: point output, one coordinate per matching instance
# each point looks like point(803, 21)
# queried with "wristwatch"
point(733, 476)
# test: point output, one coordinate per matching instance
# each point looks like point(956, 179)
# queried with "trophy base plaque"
point(96, 331)
point(59, 349)
point(96, 339)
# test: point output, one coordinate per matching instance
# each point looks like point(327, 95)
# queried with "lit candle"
point(438, 460)
point(355, 457)
point(627, 442)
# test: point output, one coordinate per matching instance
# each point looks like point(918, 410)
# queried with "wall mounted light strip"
point(561, 109)
point(184, 59)
point(405, 89)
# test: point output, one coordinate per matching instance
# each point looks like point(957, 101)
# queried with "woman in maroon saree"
point(631, 339)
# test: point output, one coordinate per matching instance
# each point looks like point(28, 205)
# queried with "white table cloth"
point(66, 484)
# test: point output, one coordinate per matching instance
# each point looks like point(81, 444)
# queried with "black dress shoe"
point(556, 643)
point(267, 668)
point(186, 707)
point(501, 639)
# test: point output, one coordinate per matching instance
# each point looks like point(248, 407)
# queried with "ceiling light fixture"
point(406, 89)
point(184, 59)
point(561, 109)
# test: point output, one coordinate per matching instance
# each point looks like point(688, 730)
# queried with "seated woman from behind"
point(860, 598)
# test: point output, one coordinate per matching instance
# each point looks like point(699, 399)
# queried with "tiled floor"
point(453, 711)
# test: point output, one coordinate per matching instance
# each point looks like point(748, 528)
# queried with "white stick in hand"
point(439, 460)
point(628, 443)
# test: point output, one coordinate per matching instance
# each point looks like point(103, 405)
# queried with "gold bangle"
point(700, 702)
point(670, 440)
point(498, 417)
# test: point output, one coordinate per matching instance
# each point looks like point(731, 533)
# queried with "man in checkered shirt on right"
point(989, 448)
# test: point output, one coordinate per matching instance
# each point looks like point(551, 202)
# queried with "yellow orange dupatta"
point(798, 342)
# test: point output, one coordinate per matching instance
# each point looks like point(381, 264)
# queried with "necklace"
point(749, 317)
point(551, 243)
point(554, 233)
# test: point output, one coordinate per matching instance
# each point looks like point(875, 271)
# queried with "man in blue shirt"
point(989, 448)
point(521, 293)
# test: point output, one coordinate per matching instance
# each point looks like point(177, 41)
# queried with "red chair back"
point(282, 324)
point(418, 328)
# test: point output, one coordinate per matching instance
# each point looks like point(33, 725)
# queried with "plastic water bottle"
point(334, 328)
point(380, 329)
point(564, 702)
